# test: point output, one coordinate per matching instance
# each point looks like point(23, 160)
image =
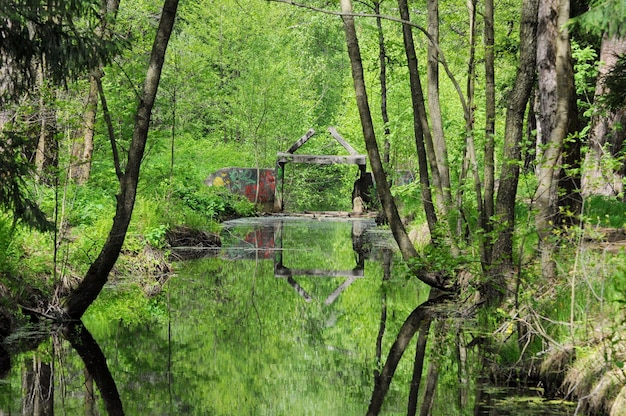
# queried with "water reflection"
point(96, 368)
point(294, 317)
point(40, 375)
point(270, 238)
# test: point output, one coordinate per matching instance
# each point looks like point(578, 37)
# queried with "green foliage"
point(9, 249)
point(604, 16)
point(156, 236)
point(215, 203)
point(605, 211)
point(318, 188)
point(585, 73)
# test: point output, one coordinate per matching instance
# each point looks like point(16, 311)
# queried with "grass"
point(605, 211)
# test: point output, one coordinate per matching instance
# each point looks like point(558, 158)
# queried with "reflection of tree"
point(95, 363)
point(38, 388)
point(419, 319)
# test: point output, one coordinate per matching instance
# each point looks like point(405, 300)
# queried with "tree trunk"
point(47, 152)
point(82, 149)
point(382, 61)
point(96, 366)
point(418, 367)
point(414, 322)
point(420, 126)
point(390, 210)
point(606, 140)
point(79, 299)
point(490, 125)
point(556, 90)
point(501, 269)
point(434, 107)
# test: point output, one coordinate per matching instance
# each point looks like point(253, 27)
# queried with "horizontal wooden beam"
point(286, 271)
point(322, 160)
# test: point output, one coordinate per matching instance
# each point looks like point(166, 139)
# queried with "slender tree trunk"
point(469, 130)
point(434, 105)
point(82, 150)
point(490, 126)
point(420, 127)
point(435, 279)
point(47, 152)
point(382, 61)
point(388, 203)
point(38, 388)
point(431, 388)
point(411, 325)
point(79, 299)
point(501, 269)
point(418, 367)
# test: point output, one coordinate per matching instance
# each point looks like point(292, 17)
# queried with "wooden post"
point(278, 190)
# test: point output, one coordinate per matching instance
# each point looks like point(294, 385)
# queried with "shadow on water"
point(293, 317)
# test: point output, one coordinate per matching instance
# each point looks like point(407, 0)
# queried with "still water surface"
point(285, 320)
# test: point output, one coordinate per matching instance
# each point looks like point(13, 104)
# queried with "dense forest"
point(508, 115)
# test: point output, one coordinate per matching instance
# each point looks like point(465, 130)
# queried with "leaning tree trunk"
point(606, 139)
point(434, 105)
point(501, 269)
point(389, 206)
point(80, 298)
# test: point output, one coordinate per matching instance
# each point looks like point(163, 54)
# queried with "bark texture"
point(554, 116)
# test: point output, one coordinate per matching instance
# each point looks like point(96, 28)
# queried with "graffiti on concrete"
point(258, 185)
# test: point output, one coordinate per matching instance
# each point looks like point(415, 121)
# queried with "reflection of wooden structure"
point(354, 158)
point(288, 273)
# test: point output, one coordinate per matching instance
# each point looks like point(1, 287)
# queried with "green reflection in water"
point(227, 337)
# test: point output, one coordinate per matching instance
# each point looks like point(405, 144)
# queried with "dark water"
point(285, 321)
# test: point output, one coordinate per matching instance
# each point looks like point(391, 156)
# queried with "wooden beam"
point(302, 140)
point(282, 271)
point(322, 159)
point(342, 141)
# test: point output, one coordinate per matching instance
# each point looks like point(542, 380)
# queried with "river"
point(292, 316)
